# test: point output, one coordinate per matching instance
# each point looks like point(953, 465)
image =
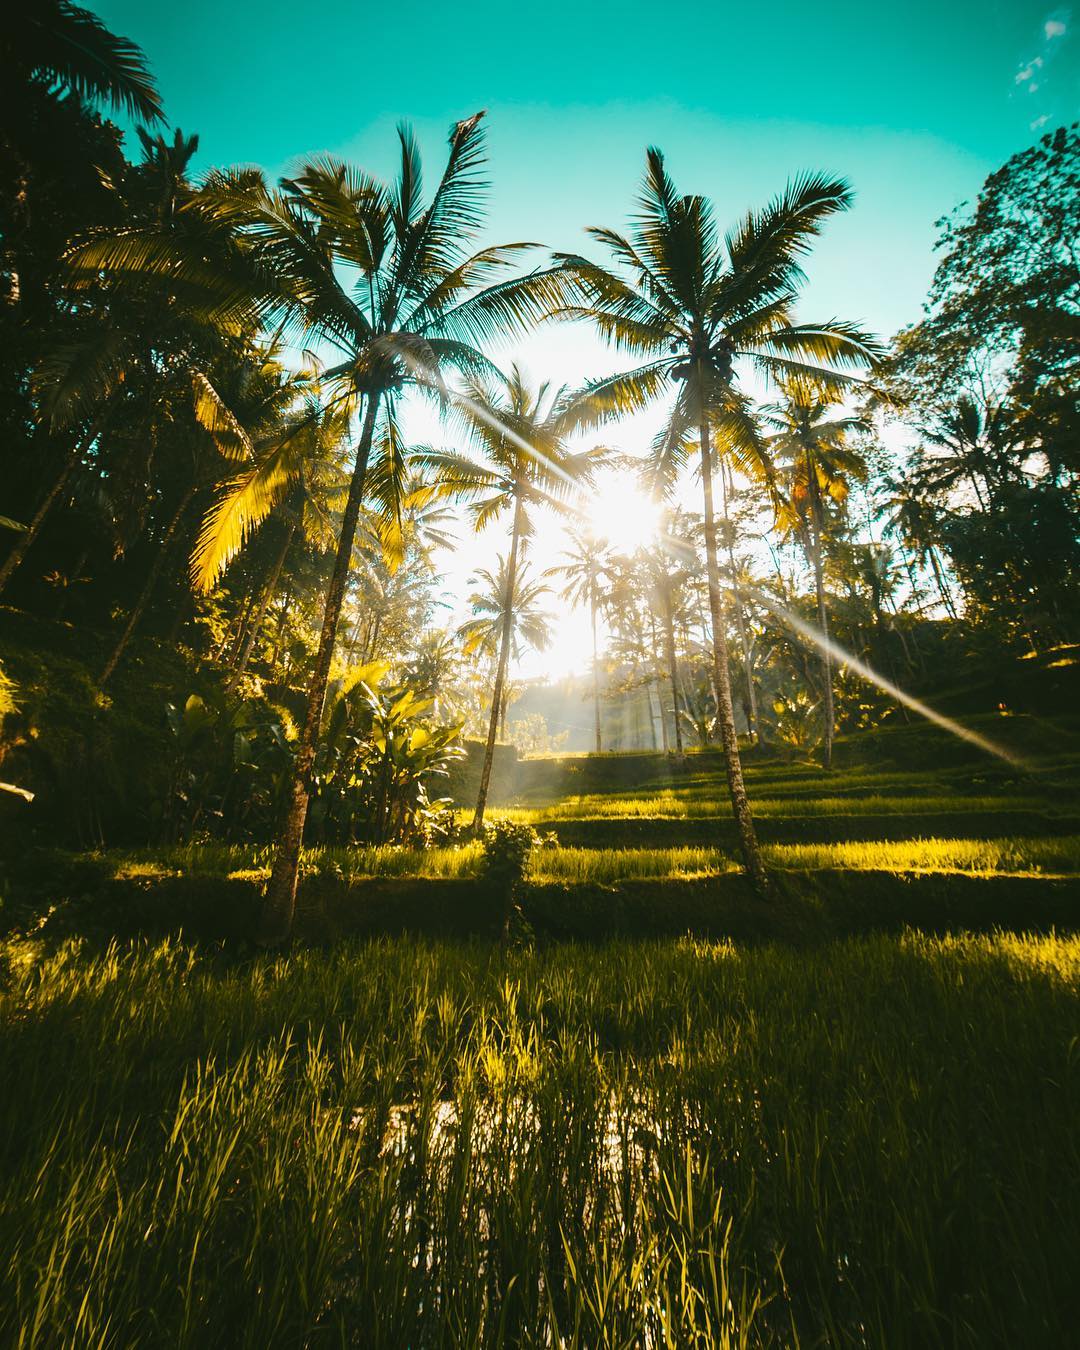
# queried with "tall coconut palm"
point(912, 520)
point(214, 447)
point(507, 618)
point(738, 600)
point(526, 464)
point(812, 440)
point(695, 306)
point(666, 576)
point(388, 281)
point(375, 272)
point(134, 341)
point(587, 568)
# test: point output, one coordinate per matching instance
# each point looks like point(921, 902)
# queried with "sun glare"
point(622, 514)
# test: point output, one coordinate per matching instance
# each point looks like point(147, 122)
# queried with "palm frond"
point(241, 508)
point(78, 377)
point(212, 414)
point(618, 395)
point(70, 46)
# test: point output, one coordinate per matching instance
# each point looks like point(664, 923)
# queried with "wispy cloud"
point(1034, 73)
point(1028, 71)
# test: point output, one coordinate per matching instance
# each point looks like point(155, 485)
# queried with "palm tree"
point(977, 445)
point(738, 598)
point(628, 604)
point(56, 58)
point(527, 464)
point(588, 566)
point(385, 279)
point(912, 520)
point(506, 619)
point(134, 341)
point(432, 668)
point(666, 578)
point(216, 444)
point(820, 466)
point(693, 306)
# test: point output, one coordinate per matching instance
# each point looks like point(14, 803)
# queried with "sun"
point(622, 514)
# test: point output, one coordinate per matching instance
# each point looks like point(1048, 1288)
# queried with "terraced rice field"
point(800, 1139)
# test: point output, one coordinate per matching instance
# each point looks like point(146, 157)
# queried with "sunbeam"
point(840, 654)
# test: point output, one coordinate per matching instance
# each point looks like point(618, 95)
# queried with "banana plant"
point(376, 761)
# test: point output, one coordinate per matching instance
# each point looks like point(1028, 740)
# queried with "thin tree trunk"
point(595, 675)
point(147, 590)
point(659, 688)
point(26, 537)
point(228, 648)
point(372, 645)
point(279, 636)
point(943, 590)
point(740, 804)
point(822, 609)
point(500, 670)
point(740, 618)
point(275, 921)
point(255, 620)
point(673, 672)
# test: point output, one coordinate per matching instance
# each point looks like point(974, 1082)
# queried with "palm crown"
point(57, 43)
point(385, 280)
point(294, 466)
point(811, 439)
point(695, 306)
point(505, 602)
point(526, 463)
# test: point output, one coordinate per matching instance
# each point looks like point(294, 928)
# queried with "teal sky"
point(915, 103)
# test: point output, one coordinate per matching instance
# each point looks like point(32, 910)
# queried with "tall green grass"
point(708, 805)
point(1049, 855)
point(872, 1143)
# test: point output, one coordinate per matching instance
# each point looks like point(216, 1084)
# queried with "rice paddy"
point(1045, 856)
point(405, 1142)
point(682, 1144)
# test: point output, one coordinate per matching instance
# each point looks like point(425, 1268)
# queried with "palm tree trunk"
point(943, 590)
point(500, 669)
point(822, 609)
point(148, 588)
point(255, 620)
point(275, 921)
point(740, 617)
point(740, 803)
point(666, 743)
point(673, 672)
point(595, 675)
